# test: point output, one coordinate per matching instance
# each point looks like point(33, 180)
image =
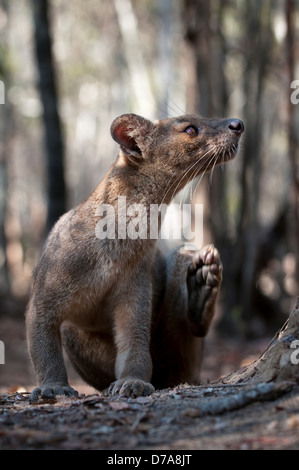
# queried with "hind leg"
point(92, 356)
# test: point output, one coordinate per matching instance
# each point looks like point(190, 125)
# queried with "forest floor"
point(182, 418)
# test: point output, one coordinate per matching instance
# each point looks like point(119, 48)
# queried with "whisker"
point(199, 181)
point(181, 177)
point(202, 175)
point(163, 110)
point(174, 103)
point(222, 160)
point(212, 171)
point(188, 169)
point(211, 157)
point(171, 108)
point(196, 170)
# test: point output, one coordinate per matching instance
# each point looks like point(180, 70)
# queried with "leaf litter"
point(191, 417)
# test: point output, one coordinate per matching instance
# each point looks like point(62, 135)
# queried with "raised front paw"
point(51, 390)
point(130, 388)
point(206, 267)
point(204, 278)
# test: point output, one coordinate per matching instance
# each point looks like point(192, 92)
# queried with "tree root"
point(278, 362)
point(236, 400)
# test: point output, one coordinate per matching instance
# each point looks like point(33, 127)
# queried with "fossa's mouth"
point(218, 155)
point(227, 154)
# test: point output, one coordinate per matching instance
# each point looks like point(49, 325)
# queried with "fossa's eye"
point(191, 130)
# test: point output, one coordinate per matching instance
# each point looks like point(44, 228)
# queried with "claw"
point(52, 390)
point(130, 388)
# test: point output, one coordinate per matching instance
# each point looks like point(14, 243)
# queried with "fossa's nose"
point(237, 126)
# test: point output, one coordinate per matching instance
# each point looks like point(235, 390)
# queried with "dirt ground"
point(183, 418)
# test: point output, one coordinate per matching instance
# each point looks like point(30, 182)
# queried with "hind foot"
point(204, 278)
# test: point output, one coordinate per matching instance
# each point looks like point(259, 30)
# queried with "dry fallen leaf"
point(118, 405)
point(143, 400)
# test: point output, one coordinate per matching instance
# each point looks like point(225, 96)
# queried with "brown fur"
point(126, 315)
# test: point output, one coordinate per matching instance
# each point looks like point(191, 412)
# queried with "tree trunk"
point(240, 272)
point(48, 92)
point(279, 362)
point(144, 102)
point(292, 134)
point(5, 138)
point(163, 44)
point(249, 226)
point(196, 18)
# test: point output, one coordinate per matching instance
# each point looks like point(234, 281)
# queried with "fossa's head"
point(176, 149)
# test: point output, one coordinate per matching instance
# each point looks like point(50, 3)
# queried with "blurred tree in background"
point(231, 58)
point(53, 136)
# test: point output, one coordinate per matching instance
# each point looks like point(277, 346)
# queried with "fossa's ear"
point(130, 132)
